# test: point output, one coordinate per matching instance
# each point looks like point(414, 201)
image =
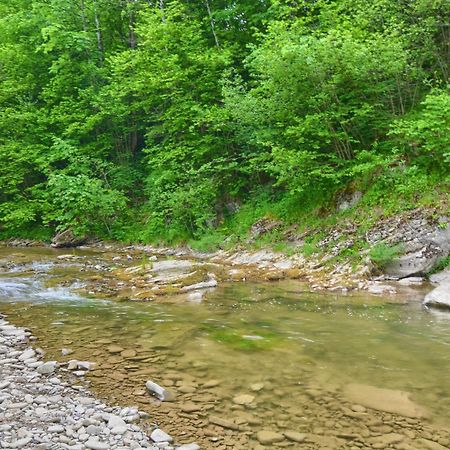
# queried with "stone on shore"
point(160, 436)
point(439, 297)
point(66, 239)
point(47, 368)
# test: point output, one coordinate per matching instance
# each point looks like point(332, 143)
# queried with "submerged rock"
point(243, 399)
point(159, 392)
point(269, 437)
point(386, 400)
point(295, 436)
point(224, 423)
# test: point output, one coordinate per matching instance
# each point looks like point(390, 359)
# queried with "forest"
point(183, 120)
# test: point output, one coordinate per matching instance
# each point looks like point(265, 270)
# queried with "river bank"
point(149, 273)
point(391, 254)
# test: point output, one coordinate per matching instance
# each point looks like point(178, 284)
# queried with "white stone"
point(116, 421)
point(96, 445)
point(47, 368)
point(27, 354)
point(160, 436)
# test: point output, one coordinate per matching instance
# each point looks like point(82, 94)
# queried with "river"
point(265, 356)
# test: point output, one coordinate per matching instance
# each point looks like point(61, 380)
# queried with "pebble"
point(266, 437)
point(244, 399)
point(295, 436)
point(47, 368)
point(160, 436)
point(96, 445)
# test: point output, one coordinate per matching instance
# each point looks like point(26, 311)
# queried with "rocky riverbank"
point(339, 260)
point(39, 410)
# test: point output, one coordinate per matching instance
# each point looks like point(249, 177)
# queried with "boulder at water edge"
point(67, 238)
point(439, 297)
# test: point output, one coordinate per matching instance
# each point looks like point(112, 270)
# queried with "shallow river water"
point(263, 356)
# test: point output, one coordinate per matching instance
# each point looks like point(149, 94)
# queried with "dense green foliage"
point(148, 120)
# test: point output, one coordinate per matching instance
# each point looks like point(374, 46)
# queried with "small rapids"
point(32, 290)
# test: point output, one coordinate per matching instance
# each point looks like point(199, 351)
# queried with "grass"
point(442, 264)
point(381, 254)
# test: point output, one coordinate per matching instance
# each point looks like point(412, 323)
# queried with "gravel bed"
point(40, 411)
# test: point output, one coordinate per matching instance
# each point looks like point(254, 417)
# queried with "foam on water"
point(32, 290)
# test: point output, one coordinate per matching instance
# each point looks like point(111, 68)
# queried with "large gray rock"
point(66, 239)
point(441, 277)
point(421, 254)
point(412, 264)
point(439, 297)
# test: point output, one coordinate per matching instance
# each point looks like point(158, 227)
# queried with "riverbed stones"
point(243, 399)
point(38, 411)
point(295, 436)
point(267, 437)
point(386, 400)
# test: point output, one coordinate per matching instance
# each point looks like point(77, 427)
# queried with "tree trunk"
point(98, 31)
point(211, 21)
point(83, 15)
